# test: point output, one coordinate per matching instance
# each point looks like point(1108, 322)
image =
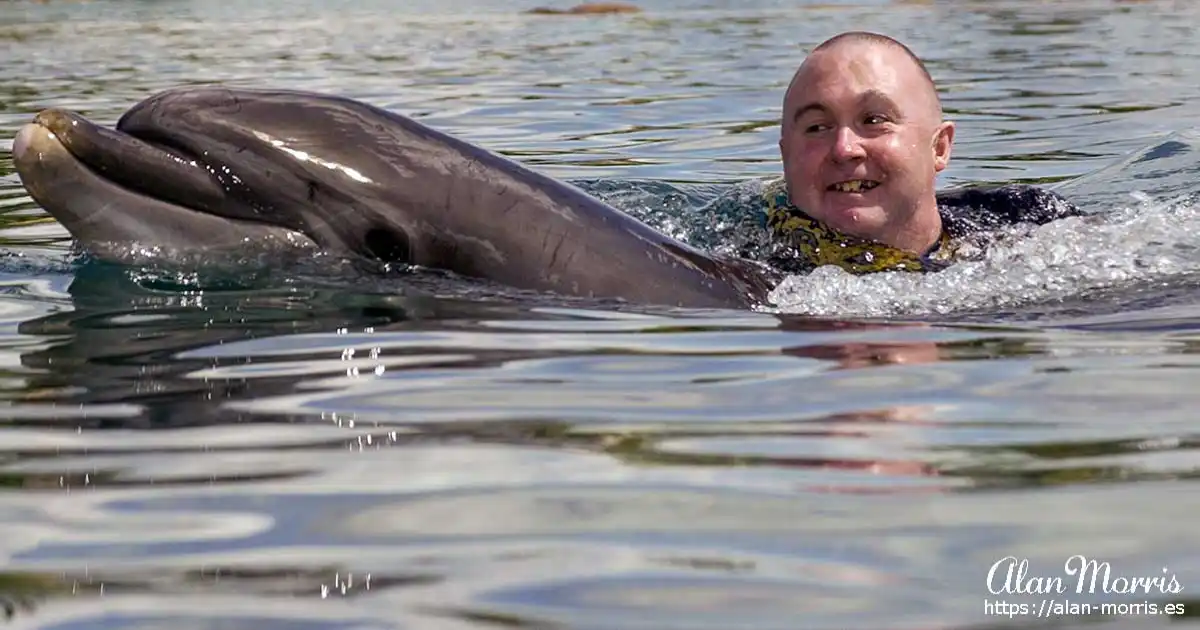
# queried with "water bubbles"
point(1152, 241)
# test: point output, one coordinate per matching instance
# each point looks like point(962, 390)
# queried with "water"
point(315, 448)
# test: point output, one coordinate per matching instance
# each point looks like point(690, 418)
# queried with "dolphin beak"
point(112, 219)
point(26, 138)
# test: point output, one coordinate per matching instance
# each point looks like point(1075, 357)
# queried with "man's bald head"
point(863, 140)
point(866, 37)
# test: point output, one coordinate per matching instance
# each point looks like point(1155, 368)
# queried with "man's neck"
point(921, 233)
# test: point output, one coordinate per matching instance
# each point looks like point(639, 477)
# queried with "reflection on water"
point(305, 447)
point(425, 461)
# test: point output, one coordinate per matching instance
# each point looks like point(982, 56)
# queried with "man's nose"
point(847, 145)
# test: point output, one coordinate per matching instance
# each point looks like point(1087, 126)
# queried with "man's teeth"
point(854, 185)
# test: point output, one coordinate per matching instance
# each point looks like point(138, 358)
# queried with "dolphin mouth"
point(120, 189)
point(144, 163)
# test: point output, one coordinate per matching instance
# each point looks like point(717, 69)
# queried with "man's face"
point(862, 141)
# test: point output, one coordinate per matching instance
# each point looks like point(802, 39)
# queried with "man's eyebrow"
point(808, 107)
point(872, 94)
point(875, 94)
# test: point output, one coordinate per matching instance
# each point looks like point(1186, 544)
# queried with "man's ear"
point(943, 142)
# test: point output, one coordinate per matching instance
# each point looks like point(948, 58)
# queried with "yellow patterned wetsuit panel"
point(810, 244)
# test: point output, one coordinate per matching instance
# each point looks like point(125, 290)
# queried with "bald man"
point(862, 140)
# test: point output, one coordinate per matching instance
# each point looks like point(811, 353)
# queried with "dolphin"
point(199, 170)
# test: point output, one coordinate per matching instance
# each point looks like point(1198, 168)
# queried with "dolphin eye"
point(388, 245)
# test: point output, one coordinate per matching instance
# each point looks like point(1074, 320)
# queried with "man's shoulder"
point(773, 192)
point(977, 208)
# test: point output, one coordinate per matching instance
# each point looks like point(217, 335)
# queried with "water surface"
point(316, 448)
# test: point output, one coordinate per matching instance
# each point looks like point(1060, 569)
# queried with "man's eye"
point(874, 119)
point(814, 128)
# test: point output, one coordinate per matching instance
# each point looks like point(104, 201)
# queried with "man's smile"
point(853, 186)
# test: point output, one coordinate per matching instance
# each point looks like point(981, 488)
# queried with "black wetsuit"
point(796, 243)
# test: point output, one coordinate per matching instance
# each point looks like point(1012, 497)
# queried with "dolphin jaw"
point(25, 139)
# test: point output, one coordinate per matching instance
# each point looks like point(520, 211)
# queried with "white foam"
point(1153, 240)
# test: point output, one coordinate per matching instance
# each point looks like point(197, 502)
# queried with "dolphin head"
point(204, 169)
point(116, 193)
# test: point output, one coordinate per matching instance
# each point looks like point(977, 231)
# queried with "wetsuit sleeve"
point(976, 209)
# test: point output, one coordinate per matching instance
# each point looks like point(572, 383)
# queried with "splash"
point(1152, 241)
point(1141, 237)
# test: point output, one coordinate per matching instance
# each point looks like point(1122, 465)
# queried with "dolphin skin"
point(209, 169)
